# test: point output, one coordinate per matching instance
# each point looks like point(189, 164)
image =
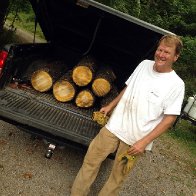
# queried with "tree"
point(3, 10)
point(177, 16)
point(16, 7)
point(187, 26)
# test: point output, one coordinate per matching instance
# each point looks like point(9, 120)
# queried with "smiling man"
point(144, 109)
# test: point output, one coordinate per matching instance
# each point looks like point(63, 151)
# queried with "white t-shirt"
point(148, 96)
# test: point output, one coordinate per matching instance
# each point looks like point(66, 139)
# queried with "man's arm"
point(107, 109)
point(139, 146)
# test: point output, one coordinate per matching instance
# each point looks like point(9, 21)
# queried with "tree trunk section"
point(41, 80)
point(85, 99)
point(83, 72)
point(64, 89)
point(45, 74)
point(102, 83)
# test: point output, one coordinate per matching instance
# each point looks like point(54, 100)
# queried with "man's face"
point(165, 56)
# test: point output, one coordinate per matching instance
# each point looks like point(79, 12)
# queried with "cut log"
point(64, 89)
point(83, 72)
point(102, 83)
point(46, 74)
point(41, 80)
point(85, 99)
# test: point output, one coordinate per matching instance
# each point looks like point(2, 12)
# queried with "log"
point(102, 83)
point(64, 89)
point(85, 99)
point(46, 73)
point(84, 71)
point(41, 80)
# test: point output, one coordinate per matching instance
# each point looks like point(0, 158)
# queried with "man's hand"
point(137, 148)
point(106, 110)
point(140, 145)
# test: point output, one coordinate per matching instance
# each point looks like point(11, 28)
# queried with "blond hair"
point(171, 39)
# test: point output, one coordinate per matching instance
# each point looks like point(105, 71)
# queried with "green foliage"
point(130, 7)
point(21, 15)
point(187, 26)
point(19, 6)
point(186, 66)
point(185, 132)
point(177, 16)
point(164, 13)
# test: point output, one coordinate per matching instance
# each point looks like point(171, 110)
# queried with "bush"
point(186, 66)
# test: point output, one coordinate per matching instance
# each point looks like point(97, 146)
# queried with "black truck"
point(73, 29)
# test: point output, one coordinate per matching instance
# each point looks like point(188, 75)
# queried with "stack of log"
point(83, 83)
point(82, 75)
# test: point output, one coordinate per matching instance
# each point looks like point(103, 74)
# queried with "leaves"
point(178, 16)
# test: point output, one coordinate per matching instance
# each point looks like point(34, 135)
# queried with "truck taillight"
point(3, 56)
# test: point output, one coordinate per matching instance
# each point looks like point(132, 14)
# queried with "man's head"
point(167, 53)
point(172, 40)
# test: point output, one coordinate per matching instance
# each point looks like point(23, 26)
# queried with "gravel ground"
point(24, 170)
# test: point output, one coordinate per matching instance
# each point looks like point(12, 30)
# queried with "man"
point(144, 109)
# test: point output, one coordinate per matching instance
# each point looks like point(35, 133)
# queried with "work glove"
point(100, 118)
point(128, 161)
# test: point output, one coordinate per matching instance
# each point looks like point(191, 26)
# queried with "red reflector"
point(3, 56)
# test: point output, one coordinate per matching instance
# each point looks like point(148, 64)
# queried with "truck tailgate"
point(42, 112)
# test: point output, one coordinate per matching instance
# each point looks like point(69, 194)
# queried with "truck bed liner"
point(41, 111)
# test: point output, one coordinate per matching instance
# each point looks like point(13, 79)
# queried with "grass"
point(185, 133)
point(25, 22)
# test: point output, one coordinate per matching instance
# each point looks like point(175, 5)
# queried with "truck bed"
point(42, 112)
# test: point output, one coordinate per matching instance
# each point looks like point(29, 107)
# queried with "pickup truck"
point(73, 29)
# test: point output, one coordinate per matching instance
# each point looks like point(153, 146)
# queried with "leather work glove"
point(100, 118)
point(128, 161)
